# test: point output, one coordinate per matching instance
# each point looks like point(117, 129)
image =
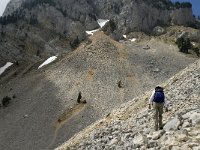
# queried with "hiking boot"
point(161, 128)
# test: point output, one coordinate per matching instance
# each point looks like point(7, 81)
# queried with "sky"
point(3, 4)
point(195, 4)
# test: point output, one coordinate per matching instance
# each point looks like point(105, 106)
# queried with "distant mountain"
point(30, 26)
point(12, 6)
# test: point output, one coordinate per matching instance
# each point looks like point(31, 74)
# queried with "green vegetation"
point(183, 5)
point(196, 50)
point(112, 25)
point(32, 3)
point(5, 101)
point(13, 18)
point(184, 44)
point(20, 13)
point(74, 43)
point(165, 4)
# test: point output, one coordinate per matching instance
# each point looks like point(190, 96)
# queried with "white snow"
point(133, 39)
point(102, 22)
point(49, 60)
point(7, 65)
point(125, 36)
point(92, 32)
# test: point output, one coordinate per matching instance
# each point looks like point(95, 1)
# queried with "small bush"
point(14, 96)
point(79, 97)
point(75, 43)
point(6, 101)
point(183, 44)
point(196, 50)
point(112, 25)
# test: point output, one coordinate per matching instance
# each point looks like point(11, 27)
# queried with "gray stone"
point(185, 146)
point(152, 144)
point(158, 30)
point(138, 141)
point(113, 141)
point(182, 137)
point(173, 124)
point(196, 148)
point(175, 148)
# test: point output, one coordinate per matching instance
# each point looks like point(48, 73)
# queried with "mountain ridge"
point(95, 68)
point(69, 20)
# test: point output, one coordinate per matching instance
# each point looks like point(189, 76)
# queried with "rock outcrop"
point(70, 19)
point(12, 6)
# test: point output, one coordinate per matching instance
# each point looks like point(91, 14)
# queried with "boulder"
point(158, 30)
point(173, 124)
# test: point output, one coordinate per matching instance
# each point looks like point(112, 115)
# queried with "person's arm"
point(151, 99)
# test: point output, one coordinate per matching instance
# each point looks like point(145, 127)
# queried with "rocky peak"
point(128, 15)
point(12, 6)
point(71, 19)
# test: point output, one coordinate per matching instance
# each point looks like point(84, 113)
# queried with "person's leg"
point(160, 109)
point(155, 115)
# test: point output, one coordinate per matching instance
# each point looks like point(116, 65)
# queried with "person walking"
point(158, 101)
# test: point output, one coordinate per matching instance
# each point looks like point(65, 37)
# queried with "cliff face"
point(128, 15)
point(69, 19)
point(12, 6)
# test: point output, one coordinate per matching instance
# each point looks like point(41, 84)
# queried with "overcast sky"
point(195, 3)
point(3, 4)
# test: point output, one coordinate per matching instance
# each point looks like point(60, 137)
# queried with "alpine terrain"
point(78, 74)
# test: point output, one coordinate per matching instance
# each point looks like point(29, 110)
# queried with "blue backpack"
point(159, 97)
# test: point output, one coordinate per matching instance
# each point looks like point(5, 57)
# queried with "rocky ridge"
point(47, 97)
point(12, 6)
point(68, 20)
point(131, 126)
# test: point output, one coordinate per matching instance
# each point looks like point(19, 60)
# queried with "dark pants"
point(157, 115)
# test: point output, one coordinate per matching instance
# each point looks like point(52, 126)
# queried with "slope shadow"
point(29, 120)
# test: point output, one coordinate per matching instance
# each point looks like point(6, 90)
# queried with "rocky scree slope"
point(131, 125)
point(68, 19)
point(46, 99)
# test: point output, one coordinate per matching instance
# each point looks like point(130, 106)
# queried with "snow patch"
point(7, 65)
point(102, 22)
point(92, 32)
point(133, 39)
point(49, 60)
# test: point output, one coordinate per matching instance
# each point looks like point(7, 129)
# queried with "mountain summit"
point(35, 26)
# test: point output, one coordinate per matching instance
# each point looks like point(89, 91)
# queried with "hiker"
point(158, 101)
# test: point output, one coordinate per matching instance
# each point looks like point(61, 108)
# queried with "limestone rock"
point(12, 6)
point(173, 124)
point(158, 30)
